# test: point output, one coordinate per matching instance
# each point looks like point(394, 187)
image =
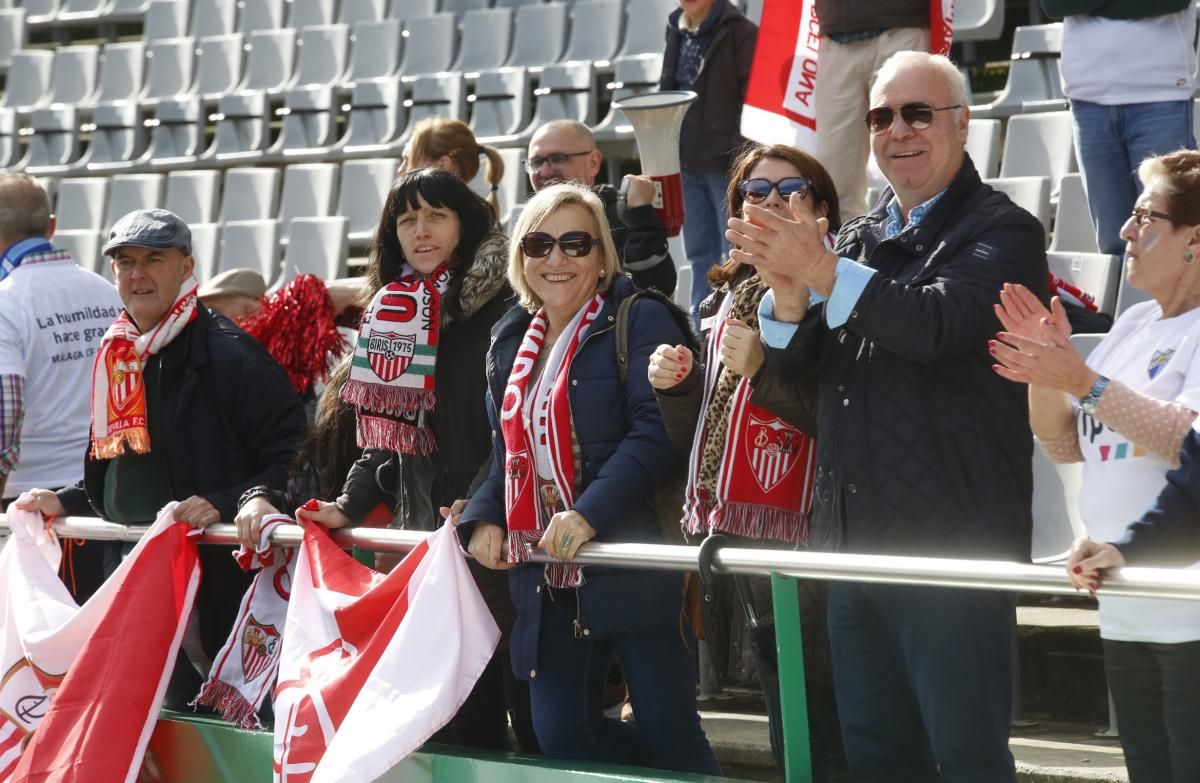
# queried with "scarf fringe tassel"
point(113, 446)
point(392, 400)
point(521, 544)
point(229, 702)
point(747, 520)
point(375, 432)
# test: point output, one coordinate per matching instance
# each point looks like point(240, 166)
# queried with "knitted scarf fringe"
point(392, 400)
point(229, 702)
point(521, 544)
point(110, 447)
point(751, 521)
point(375, 432)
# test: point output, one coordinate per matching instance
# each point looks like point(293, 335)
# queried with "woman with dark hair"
point(749, 435)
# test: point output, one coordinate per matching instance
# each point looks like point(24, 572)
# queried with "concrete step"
point(1061, 663)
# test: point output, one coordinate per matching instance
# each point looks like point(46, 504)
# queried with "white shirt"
point(1117, 61)
point(1161, 358)
point(53, 315)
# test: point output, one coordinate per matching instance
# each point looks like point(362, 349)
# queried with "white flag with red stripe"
point(81, 686)
point(779, 106)
point(373, 664)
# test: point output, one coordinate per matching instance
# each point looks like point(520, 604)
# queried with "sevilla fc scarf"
point(1073, 294)
point(751, 473)
point(118, 386)
point(392, 374)
point(525, 399)
point(244, 671)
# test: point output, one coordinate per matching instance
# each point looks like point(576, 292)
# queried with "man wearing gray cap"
point(186, 407)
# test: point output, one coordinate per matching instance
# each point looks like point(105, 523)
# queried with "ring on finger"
point(565, 544)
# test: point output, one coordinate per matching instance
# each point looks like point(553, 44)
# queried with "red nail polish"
point(312, 505)
point(1076, 570)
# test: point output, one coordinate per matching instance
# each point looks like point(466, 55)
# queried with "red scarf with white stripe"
point(118, 385)
point(526, 510)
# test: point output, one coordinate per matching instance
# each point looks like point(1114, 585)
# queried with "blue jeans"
point(704, 225)
point(567, 695)
point(923, 680)
point(1110, 142)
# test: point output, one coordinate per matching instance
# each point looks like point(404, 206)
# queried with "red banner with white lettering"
point(779, 106)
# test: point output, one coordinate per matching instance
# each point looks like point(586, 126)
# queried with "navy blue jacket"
point(1169, 533)
point(625, 453)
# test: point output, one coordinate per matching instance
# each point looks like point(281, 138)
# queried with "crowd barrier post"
point(793, 694)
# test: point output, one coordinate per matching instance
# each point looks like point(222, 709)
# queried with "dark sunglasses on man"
point(918, 116)
point(539, 244)
point(757, 190)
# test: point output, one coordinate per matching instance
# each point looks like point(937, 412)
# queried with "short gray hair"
point(949, 72)
point(24, 207)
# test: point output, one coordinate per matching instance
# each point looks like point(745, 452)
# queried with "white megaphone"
point(656, 118)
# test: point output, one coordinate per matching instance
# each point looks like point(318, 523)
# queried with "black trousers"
point(1156, 692)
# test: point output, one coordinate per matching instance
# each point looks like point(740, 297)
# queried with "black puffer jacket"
point(924, 449)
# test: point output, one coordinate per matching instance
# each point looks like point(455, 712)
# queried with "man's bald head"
point(24, 209)
point(567, 138)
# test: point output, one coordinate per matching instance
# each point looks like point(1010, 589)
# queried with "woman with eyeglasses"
point(748, 435)
point(1124, 412)
point(577, 455)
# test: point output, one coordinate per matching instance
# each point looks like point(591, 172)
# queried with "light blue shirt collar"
point(895, 220)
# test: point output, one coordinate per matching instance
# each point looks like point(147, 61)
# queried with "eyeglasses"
point(1143, 215)
point(539, 244)
point(917, 116)
point(556, 160)
point(757, 190)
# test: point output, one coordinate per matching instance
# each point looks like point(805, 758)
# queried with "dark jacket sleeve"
point(793, 400)
point(75, 500)
point(646, 254)
point(745, 38)
point(1169, 533)
point(680, 408)
point(363, 491)
point(802, 357)
point(487, 502)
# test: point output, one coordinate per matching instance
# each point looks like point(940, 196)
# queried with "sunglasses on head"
point(917, 116)
point(756, 191)
point(539, 244)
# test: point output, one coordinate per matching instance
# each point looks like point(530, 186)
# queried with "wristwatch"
point(1089, 401)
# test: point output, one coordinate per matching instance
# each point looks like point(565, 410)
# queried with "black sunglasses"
point(917, 116)
point(756, 191)
point(539, 244)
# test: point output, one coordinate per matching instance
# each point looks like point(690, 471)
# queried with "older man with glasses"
point(565, 151)
point(923, 448)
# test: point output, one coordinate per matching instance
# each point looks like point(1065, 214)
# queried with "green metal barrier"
point(793, 696)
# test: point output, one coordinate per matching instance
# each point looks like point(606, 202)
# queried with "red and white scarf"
point(392, 374)
point(118, 385)
point(529, 504)
point(762, 487)
point(244, 671)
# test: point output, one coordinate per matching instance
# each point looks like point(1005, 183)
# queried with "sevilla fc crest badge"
point(390, 354)
point(124, 377)
point(259, 643)
point(773, 449)
point(516, 475)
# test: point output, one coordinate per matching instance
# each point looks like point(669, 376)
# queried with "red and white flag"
point(779, 106)
point(374, 664)
point(81, 687)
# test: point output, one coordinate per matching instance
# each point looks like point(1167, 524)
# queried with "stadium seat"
point(10, 148)
point(318, 247)
point(1073, 229)
point(212, 17)
point(270, 57)
point(74, 12)
point(595, 30)
point(631, 75)
point(410, 9)
point(55, 140)
point(172, 62)
point(12, 34)
point(322, 54)
point(486, 36)
point(1128, 296)
point(310, 13)
point(81, 204)
point(260, 15)
point(361, 193)
point(177, 131)
point(538, 35)
point(84, 246)
point(193, 194)
point(41, 12)
point(516, 3)
point(428, 44)
point(243, 126)
point(978, 20)
point(1039, 145)
point(28, 84)
point(74, 74)
point(128, 192)
point(1034, 81)
point(376, 119)
point(308, 191)
point(249, 243)
point(309, 121)
point(514, 183)
point(1030, 193)
point(218, 65)
point(250, 194)
point(463, 6)
point(354, 12)
point(204, 248)
point(983, 145)
point(121, 68)
point(501, 105)
point(644, 23)
point(165, 19)
point(1093, 273)
point(567, 92)
point(374, 50)
point(126, 11)
point(436, 95)
point(118, 134)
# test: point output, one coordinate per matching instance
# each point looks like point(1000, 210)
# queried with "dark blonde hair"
point(434, 137)
point(821, 191)
point(1177, 176)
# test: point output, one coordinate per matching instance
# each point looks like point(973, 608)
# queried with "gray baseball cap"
point(155, 228)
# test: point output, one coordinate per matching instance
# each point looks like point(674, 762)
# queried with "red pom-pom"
point(297, 326)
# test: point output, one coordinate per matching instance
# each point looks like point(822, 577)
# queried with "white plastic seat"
point(463, 6)
point(309, 119)
point(515, 3)
point(10, 147)
point(41, 12)
point(1128, 296)
point(486, 35)
point(250, 194)
point(218, 65)
point(165, 19)
point(1039, 145)
point(270, 58)
point(12, 34)
point(126, 11)
point(1033, 74)
point(249, 243)
point(118, 134)
point(318, 247)
point(631, 75)
point(538, 35)
point(513, 184)
point(567, 92)
point(260, 15)
point(978, 20)
point(81, 204)
point(374, 50)
point(983, 145)
point(55, 139)
point(212, 17)
point(204, 248)
point(28, 84)
point(310, 13)
point(428, 44)
point(1073, 228)
point(354, 12)
point(122, 66)
point(322, 55)
point(178, 128)
point(74, 74)
point(128, 192)
point(193, 194)
point(1030, 193)
point(243, 127)
point(361, 194)
point(595, 30)
point(74, 12)
point(308, 191)
point(377, 115)
point(642, 34)
point(410, 9)
point(169, 73)
point(436, 95)
point(1093, 273)
point(501, 105)
point(84, 246)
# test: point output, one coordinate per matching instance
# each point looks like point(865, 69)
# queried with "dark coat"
point(625, 455)
point(711, 133)
point(641, 242)
point(924, 449)
point(1168, 535)
point(852, 16)
point(233, 421)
